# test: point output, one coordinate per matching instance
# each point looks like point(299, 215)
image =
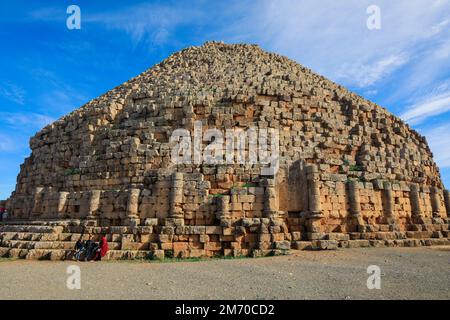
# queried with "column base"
point(275, 215)
point(358, 224)
point(89, 221)
point(437, 220)
point(314, 223)
point(133, 221)
point(225, 221)
point(392, 223)
point(417, 219)
point(436, 214)
point(174, 221)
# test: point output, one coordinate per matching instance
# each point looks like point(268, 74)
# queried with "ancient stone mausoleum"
point(350, 173)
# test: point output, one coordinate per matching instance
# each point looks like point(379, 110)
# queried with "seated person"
point(102, 248)
point(79, 248)
point(91, 249)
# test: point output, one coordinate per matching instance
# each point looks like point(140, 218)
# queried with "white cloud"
point(364, 75)
point(371, 92)
point(439, 27)
point(152, 23)
point(13, 92)
point(427, 108)
point(435, 102)
point(62, 100)
point(7, 144)
point(59, 97)
point(439, 140)
point(443, 51)
point(146, 22)
point(25, 120)
point(332, 37)
point(49, 14)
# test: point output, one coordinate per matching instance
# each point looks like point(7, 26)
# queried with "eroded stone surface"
point(347, 166)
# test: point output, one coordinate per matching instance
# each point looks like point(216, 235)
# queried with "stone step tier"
point(55, 240)
point(68, 254)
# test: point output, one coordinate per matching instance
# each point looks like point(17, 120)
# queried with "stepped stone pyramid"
point(349, 174)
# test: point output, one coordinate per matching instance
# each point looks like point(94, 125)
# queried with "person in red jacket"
point(103, 248)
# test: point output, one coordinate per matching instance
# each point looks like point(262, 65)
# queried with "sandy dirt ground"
point(406, 273)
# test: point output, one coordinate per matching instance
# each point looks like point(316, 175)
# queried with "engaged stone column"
point(355, 205)
point(389, 205)
point(94, 204)
point(62, 202)
point(37, 205)
point(435, 202)
point(270, 199)
point(447, 202)
point(355, 201)
point(90, 202)
point(416, 210)
point(133, 207)
point(223, 207)
point(315, 207)
point(176, 196)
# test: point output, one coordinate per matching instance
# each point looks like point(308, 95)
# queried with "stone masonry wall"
point(346, 164)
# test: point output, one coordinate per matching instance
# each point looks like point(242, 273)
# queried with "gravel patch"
point(406, 273)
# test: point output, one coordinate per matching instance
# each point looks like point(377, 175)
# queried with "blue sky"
point(48, 70)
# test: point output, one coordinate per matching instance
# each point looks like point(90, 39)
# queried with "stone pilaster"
point(133, 208)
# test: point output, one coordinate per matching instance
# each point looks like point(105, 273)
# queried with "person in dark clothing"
point(91, 248)
point(79, 248)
